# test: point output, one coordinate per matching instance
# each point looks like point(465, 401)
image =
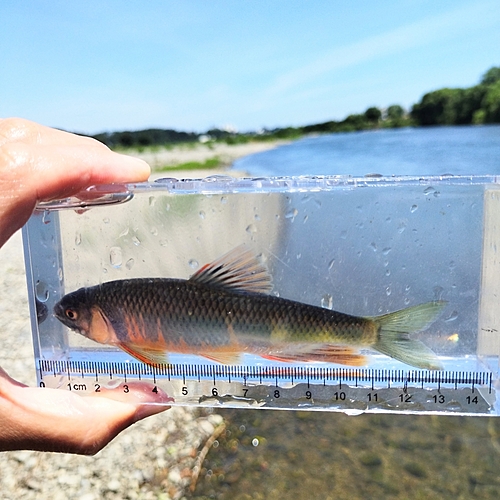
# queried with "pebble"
point(146, 461)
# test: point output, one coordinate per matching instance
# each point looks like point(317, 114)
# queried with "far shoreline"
point(198, 158)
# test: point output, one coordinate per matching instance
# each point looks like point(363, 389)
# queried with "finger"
point(39, 164)
point(77, 159)
point(58, 420)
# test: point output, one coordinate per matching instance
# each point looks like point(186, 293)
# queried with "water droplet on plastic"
point(105, 270)
point(401, 227)
point(452, 265)
point(152, 201)
point(305, 218)
point(353, 413)
point(130, 264)
point(331, 264)
point(406, 301)
point(256, 217)
point(251, 229)
point(453, 316)
point(388, 272)
point(78, 239)
point(438, 292)
point(163, 243)
point(41, 291)
point(136, 241)
point(343, 235)
point(407, 288)
point(223, 199)
point(115, 257)
point(167, 207)
point(373, 246)
point(429, 190)
point(106, 220)
point(124, 232)
point(291, 214)
point(299, 255)
point(193, 264)
point(388, 291)
point(60, 274)
point(154, 231)
point(413, 208)
point(202, 214)
point(388, 219)
point(327, 301)
point(386, 250)
point(255, 442)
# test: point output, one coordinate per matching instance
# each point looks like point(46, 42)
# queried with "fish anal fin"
point(145, 354)
point(327, 353)
point(225, 358)
point(238, 269)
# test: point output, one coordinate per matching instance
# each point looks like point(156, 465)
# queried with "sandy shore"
point(226, 154)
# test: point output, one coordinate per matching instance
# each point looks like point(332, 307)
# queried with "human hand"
point(58, 420)
point(38, 163)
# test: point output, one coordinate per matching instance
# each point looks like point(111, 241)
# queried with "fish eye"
point(71, 314)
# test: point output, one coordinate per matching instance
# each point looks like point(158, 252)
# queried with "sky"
point(192, 65)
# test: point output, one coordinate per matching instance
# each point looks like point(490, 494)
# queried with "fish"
point(226, 309)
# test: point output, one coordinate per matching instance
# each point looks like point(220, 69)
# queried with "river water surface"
point(407, 151)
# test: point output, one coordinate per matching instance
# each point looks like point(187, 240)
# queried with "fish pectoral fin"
point(238, 269)
point(226, 358)
point(325, 353)
point(145, 354)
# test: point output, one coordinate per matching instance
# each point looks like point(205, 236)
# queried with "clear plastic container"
point(361, 246)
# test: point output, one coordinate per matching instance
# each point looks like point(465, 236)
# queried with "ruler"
point(350, 390)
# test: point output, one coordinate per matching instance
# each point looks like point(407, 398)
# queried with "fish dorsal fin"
point(238, 269)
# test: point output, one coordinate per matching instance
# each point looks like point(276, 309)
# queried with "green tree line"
point(476, 105)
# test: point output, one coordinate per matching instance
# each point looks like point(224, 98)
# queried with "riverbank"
point(194, 159)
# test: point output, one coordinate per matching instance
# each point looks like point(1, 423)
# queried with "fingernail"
point(148, 409)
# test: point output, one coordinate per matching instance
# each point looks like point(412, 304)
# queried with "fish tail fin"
point(394, 330)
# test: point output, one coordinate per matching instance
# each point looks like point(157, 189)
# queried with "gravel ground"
point(155, 458)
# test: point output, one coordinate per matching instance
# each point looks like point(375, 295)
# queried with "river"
point(409, 151)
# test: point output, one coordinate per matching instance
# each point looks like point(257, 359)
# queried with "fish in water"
point(225, 309)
